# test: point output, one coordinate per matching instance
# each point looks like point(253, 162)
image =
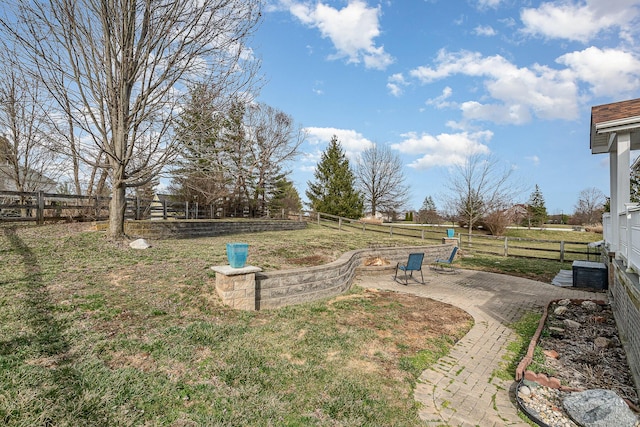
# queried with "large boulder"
point(139, 244)
point(599, 408)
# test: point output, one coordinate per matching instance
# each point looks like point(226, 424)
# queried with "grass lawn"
point(92, 334)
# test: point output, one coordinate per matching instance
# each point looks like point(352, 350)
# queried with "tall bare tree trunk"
point(117, 205)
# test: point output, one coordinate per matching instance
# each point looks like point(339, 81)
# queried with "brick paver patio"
point(460, 390)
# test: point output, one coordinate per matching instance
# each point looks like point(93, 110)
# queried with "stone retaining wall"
point(182, 229)
point(624, 297)
point(287, 287)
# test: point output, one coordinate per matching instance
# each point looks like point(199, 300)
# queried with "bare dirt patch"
point(419, 320)
point(309, 261)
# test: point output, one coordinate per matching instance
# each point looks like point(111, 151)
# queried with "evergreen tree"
point(200, 173)
point(334, 189)
point(285, 197)
point(537, 211)
point(428, 213)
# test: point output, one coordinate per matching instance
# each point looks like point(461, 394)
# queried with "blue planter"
point(237, 254)
point(450, 232)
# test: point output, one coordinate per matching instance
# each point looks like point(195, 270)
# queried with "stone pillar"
point(449, 240)
point(237, 286)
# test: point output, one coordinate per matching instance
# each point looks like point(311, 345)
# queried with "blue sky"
point(437, 80)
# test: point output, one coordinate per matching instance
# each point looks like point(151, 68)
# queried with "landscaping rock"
point(571, 323)
point(560, 310)
point(139, 244)
point(599, 408)
point(602, 342)
point(590, 306)
point(524, 391)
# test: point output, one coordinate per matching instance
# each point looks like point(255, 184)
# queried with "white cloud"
point(497, 113)
point(317, 87)
point(441, 101)
point(578, 21)
point(482, 4)
point(396, 84)
point(309, 160)
point(444, 149)
point(520, 93)
point(535, 160)
point(485, 30)
point(352, 30)
point(351, 141)
point(608, 72)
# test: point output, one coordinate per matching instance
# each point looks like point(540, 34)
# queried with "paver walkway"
point(460, 390)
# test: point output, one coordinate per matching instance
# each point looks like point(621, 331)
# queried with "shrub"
point(594, 228)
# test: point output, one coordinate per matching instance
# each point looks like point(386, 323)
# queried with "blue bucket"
point(237, 254)
point(450, 232)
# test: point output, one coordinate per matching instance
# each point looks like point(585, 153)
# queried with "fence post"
point(506, 246)
point(562, 251)
point(164, 209)
point(40, 211)
point(391, 231)
point(318, 218)
point(138, 208)
point(422, 234)
point(339, 223)
point(196, 211)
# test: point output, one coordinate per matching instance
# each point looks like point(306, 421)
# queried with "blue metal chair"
point(445, 264)
point(414, 263)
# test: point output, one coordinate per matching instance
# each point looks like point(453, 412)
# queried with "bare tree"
point(381, 179)
point(122, 67)
point(479, 188)
point(275, 140)
point(27, 158)
point(590, 206)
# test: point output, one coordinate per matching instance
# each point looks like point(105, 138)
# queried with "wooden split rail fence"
point(563, 251)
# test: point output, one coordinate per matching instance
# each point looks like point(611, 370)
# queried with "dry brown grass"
point(97, 334)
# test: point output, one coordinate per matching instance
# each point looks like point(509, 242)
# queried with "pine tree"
point(537, 211)
point(285, 197)
point(334, 189)
point(200, 174)
point(428, 213)
point(428, 204)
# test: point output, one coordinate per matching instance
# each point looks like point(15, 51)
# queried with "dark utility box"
point(587, 274)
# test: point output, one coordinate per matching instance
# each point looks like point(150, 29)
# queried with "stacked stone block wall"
point(287, 287)
point(205, 228)
point(624, 296)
